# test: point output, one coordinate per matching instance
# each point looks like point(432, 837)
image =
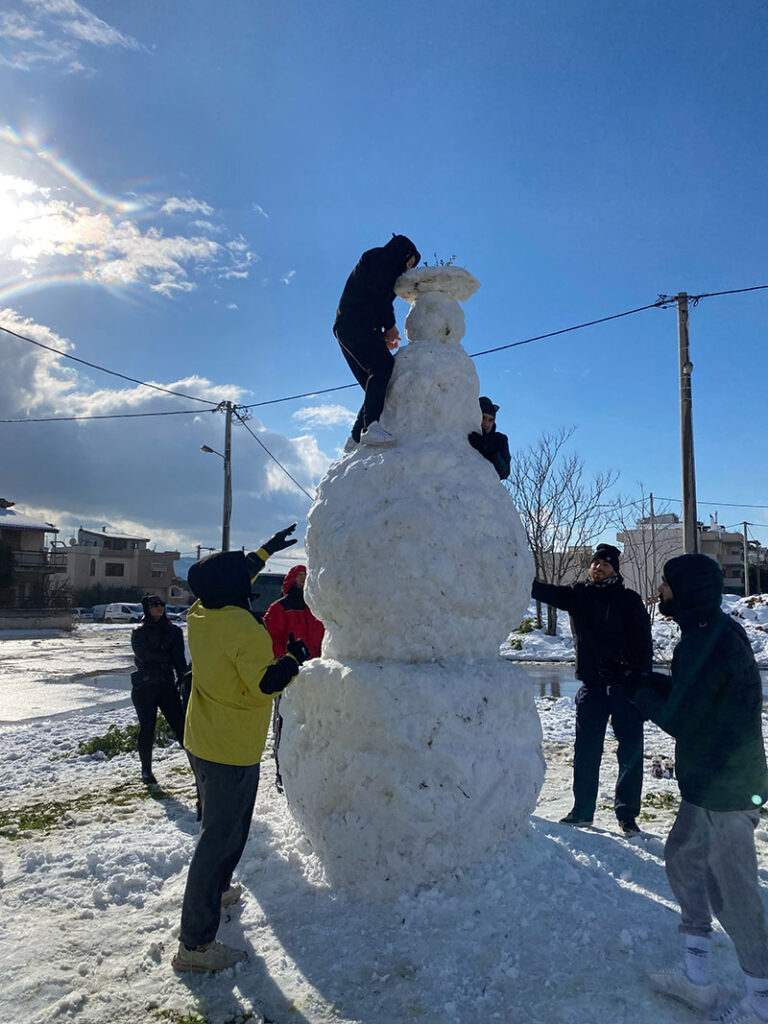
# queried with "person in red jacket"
point(286, 616)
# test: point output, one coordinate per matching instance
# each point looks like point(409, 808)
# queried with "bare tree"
point(563, 511)
point(650, 534)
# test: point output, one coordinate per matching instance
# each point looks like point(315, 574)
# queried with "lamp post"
point(227, 457)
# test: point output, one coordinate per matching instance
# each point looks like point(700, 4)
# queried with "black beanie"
point(487, 406)
point(608, 553)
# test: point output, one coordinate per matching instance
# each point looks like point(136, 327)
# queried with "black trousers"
point(148, 699)
point(372, 363)
point(594, 706)
point(229, 794)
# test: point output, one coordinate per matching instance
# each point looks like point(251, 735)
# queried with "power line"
point(103, 369)
point(662, 302)
point(109, 416)
point(291, 398)
point(722, 504)
point(269, 453)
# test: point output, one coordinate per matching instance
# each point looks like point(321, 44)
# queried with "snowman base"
point(402, 773)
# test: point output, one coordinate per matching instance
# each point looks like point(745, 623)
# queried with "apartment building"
point(119, 560)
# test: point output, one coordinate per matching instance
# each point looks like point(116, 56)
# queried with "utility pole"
point(746, 563)
point(690, 533)
point(759, 589)
point(227, 516)
point(198, 551)
point(654, 581)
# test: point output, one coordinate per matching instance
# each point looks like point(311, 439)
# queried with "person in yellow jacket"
point(234, 681)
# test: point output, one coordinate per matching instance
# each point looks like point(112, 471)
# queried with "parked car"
point(119, 612)
point(176, 612)
point(82, 614)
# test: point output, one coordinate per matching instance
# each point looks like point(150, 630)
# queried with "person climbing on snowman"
point(365, 329)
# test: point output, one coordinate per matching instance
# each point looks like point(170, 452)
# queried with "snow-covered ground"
point(558, 927)
point(750, 612)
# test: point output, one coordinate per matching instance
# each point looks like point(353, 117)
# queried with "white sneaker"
point(376, 434)
point(214, 956)
point(232, 895)
point(740, 1013)
point(676, 984)
point(350, 446)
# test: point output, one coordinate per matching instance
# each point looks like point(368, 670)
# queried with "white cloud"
point(287, 278)
point(188, 205)
point(260, 210)
point(54, 32)
point(14, 25)
point(232, 305)
point(142, 475)
point(325, 416)
point(68, 226)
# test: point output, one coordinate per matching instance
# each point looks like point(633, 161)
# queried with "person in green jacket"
point(234, 681)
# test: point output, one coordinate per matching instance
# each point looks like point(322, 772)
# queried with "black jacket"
point(610, 626)
point(712, 703)
point(366, 304)
point(493, 446)
point(158, 649)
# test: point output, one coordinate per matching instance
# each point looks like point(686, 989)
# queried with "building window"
point(114, 569)
point(92, 569)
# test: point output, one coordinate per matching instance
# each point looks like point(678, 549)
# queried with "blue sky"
point(184, 191)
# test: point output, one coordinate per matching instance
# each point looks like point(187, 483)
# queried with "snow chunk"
point(455, 282)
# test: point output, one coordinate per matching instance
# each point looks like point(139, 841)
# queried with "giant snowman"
point(410, 749)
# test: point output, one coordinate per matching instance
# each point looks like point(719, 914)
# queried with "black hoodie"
point(158, 649)
point(712, 704)
point(366, 304)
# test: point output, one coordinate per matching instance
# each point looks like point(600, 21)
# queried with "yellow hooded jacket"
point(228, 715)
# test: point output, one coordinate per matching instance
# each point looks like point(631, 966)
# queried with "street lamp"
point(227, 457)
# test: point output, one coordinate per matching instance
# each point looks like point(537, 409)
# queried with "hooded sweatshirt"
point(366, 304)
point(158, 649)
point(290, 614)
point(234, 675)
point(712, 704)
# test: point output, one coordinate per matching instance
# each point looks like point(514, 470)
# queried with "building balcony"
point(40, 561)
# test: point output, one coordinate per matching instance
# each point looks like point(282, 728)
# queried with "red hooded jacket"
point(291, 615)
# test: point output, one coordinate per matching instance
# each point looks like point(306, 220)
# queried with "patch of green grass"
point(48, 815)
point(180, 1018)
point(662, 801)
point(515, 643)
point(526, 626)
point(175, 1017)
point(125, 741)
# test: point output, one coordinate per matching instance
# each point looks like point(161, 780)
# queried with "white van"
point(120, 612)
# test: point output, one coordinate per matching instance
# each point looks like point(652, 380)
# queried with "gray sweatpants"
point(228, 793)
point(712, 868)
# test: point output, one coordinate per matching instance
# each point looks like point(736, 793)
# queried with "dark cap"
point(487, 406)
point(607, 553)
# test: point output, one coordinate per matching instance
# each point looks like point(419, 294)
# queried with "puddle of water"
point(556, 679)
point(27, 700)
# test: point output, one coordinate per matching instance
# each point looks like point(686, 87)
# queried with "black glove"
point(476, 440)
point(298, 649)
point(280, 540)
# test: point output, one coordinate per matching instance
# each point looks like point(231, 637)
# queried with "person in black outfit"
point(491, 444)
point(712, 705)
point(365, 329)
point(612, 637)
point(158, 648)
